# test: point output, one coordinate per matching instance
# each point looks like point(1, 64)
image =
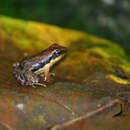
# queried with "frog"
point(29, 69)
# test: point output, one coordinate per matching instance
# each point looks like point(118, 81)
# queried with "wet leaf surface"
point(85, 80)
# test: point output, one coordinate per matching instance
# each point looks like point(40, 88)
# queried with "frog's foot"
point(39, 84)
point(48, 80)
point(33, 86)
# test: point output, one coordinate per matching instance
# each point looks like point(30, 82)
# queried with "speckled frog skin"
point(27, 71)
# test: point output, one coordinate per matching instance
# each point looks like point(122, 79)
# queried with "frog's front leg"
point(47, 76)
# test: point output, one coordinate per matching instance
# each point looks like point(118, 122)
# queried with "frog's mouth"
point(62, 51)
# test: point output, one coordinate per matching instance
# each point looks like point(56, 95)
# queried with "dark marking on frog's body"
point(29, 68)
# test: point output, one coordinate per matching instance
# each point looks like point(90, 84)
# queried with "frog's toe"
point(41, 85)
point(33, 86)
point(48, 81)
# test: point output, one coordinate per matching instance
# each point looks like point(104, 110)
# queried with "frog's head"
point(58, 50)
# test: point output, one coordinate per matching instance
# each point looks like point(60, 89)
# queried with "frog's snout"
point(63, 50)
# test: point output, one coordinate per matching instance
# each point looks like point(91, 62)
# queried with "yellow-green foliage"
point(119, 80)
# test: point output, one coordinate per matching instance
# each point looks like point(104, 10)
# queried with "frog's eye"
point(56, 52)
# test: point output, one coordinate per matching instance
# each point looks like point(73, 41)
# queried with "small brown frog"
point(27, 71)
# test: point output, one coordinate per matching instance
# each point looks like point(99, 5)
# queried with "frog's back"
point(33, 63)
point(45, 58)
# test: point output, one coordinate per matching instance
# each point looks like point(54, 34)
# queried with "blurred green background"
point(109, 19)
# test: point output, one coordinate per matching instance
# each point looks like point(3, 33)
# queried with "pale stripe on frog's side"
point(48, 65)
